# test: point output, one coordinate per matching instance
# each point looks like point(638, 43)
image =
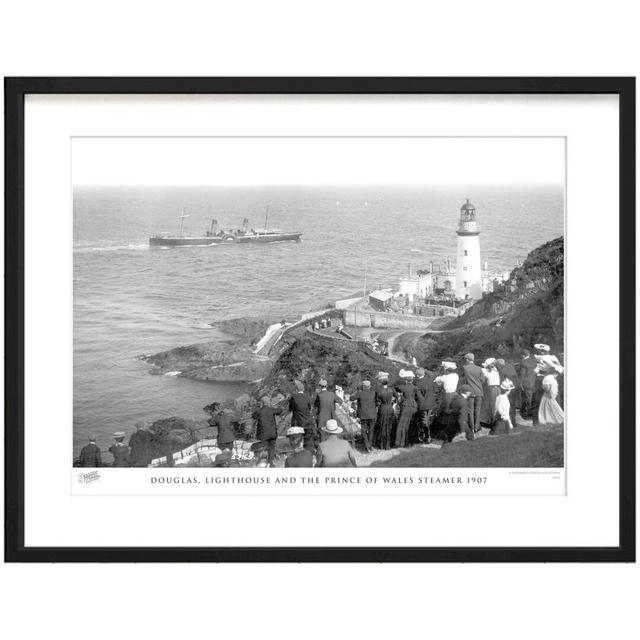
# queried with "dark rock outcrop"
point(208, 362)
point(309, 357)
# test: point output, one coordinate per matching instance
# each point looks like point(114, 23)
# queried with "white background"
point(331, 38)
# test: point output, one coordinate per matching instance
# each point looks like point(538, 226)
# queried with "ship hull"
point(169, 241)
point(269, 237)
point(182, 242)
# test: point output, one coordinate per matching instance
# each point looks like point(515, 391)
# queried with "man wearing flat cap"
point(367, 412)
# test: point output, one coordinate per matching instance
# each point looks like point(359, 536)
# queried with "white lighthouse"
point(468, 265)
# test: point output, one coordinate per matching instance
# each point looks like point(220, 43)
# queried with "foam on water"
point(127, 247)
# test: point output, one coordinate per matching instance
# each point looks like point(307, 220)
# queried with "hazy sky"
point(317, 161)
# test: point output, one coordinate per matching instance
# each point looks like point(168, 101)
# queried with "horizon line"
point(451, 185)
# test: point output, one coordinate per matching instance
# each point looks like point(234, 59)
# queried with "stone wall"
point(381, 320)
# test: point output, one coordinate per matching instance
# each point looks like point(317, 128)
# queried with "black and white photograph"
point(345, 313)
point(320, 301)
point(311, 308)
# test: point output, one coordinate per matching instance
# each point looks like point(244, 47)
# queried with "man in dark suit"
point(300, 407)
point(266, 428)
point(528, 377)
point(325, 404)
point(367, 412)
point(474, 379)
point(426, 402)
point(226, 433)
point(139, 445)
point(90, 454)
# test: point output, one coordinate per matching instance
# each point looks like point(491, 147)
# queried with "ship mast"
point(182, 217)
point(266, 217)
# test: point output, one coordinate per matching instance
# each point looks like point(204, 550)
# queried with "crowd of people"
point(137, 453)
point(456, 401)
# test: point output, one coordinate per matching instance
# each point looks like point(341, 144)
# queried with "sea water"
point(130, 299)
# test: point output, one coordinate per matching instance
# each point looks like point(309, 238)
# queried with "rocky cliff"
point(528, 308)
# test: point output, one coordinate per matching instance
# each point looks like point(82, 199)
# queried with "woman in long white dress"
point(491, 377)
point(550, 412)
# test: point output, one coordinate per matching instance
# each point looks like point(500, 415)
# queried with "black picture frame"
point(15, 91)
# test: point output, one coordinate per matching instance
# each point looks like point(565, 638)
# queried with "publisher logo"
point(90, 476)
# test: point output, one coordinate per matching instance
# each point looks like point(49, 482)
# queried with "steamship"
point(224, 236)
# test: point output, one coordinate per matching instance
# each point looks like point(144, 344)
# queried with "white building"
point(468, 263)
point(426, 284)
point(467, 281)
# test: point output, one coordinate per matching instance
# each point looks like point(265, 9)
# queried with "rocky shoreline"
point(232, 360)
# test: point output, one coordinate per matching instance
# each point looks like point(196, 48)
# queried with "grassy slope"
point(521, 448)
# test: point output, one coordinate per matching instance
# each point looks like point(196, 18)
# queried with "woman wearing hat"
point(408, 407)
point(491, 377)
point(449, 380)
point(300, 457)
point(502, 418)
point(119, 450)
point(334, 451)
point(386, 415)
point(545, 362)
point(550, 412)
